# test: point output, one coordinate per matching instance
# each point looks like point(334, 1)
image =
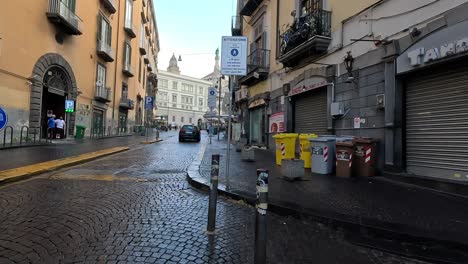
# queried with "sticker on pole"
point(234, 56)
point(3, 119)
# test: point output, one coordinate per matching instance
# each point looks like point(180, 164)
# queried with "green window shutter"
point(99, 24)
point(109, 34)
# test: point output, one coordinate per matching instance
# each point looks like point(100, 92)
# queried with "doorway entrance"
point(55, 92)
point(123, 121)
point(52, 82)
point(98, 123)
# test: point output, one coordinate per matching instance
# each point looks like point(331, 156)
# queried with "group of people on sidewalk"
point(55, 127)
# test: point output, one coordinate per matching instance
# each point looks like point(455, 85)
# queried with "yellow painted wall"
point(340, 9)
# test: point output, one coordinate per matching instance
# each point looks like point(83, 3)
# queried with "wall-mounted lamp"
point(286, 88)
point(349, 60)
point(180, 58)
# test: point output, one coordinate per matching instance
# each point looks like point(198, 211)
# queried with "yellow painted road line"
point(151, 141)
point(38, 168)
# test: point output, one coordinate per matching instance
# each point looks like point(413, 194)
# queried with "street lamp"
point(349, 60)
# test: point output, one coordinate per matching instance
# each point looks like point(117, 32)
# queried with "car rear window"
point(188, 127)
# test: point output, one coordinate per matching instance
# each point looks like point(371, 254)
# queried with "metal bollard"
point(261, 217)
point(213, 194)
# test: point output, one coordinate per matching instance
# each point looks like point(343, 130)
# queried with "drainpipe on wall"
point(116, 64)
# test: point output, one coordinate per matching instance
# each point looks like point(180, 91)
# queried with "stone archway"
point(56, 64)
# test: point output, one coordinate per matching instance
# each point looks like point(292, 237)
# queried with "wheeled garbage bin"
point(365, 156)
point(344, 158)
point(80, 131)
point(285, 146)
point(304, 149)
point(323, 150)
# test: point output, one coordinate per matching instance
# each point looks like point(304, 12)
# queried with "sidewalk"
point(436, 222)
point(58, 149)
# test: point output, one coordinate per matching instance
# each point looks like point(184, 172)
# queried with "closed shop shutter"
point(437, 123)
point(310, 112)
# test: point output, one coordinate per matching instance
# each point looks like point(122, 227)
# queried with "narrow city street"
point(138, 207)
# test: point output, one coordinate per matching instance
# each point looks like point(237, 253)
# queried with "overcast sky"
point(192, 27)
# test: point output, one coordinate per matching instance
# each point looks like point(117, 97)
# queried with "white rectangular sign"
point(234, 56)
point(212, 93)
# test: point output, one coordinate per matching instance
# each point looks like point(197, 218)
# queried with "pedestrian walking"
point(60, 125)
point(51, 127)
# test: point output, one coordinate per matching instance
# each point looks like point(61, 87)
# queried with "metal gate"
point(310, 112)
point(437, 124)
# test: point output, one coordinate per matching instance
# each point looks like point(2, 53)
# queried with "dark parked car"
point(187, 132)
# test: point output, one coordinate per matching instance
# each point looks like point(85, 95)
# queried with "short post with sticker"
point(261, 216)
point(213, 193)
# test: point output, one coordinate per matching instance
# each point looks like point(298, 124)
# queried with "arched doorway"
point(53, 83)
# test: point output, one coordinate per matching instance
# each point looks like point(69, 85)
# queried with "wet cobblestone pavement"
point(137, 207)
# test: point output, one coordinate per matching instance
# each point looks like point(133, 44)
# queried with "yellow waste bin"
point(304, 149)
point(285, 146)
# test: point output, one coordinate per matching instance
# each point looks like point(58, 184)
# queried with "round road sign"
point(234, 52)
point(3, 119)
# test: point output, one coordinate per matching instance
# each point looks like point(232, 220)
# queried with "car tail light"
point(181, 131)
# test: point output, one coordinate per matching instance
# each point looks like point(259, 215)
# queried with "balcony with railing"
point(110, 5)
point(249, 6)
point(105, 51)
point(126, 103)
point(308, 37)
point(128, 70)
point(103, 94)
point(241, 94)
point(130, 29)
point(236, 26)
point(146, 59)
point(144, 19)
point(258, 67)
point(61, 15)
point(143, 45)
point(147, 29)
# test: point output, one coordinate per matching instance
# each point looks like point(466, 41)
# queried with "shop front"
point(309, 100)
point(434, 77)
point(257, 112)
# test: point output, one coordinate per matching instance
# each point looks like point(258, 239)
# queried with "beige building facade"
point(100, 56)
point(181, 99)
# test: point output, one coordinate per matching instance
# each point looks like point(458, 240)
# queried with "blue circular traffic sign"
point(212, 92)
point(3, 118)
point(234, 52)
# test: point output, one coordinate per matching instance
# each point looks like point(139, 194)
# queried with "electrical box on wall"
point(380, 102)
point(337, 109)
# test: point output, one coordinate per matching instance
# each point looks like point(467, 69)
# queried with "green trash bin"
point(80, 131)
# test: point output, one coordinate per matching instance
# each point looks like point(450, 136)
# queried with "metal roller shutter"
point(310, 112)
point(437, 124)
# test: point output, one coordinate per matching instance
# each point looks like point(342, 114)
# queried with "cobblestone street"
point(137, 207)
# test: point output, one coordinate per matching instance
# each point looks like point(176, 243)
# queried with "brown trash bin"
point(344, 158)
point(365, 156)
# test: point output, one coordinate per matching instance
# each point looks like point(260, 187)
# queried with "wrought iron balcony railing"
point(236, 26)
point(103, 93)
point(258, 59)
point(306, 30)
point(105, 51)
point(110, 5)
point(130, 29)
point(126, 103)
point(128, 70)
point(59, 13)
